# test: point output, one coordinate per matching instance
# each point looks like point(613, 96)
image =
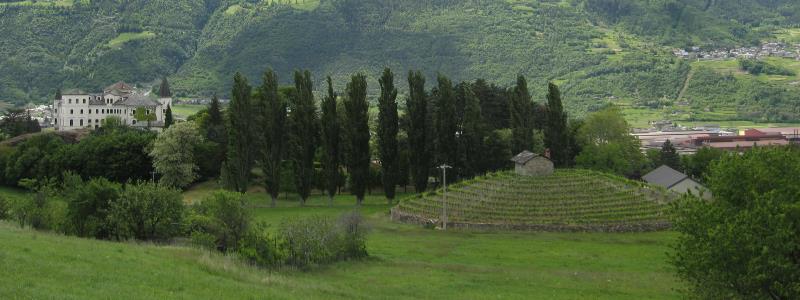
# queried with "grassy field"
point(406, 262)
point(125, 37)
point(186, 110)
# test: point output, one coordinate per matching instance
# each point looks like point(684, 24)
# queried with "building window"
point(81, 122)
point(103, 111)
point(90, 121)
point(70, 123)
point(96, 111)
point(96, 121)
point(133, 122)
point(69, 101)
point(81, 111)
point(70, 111)
point(84, 101)
point(90, 111)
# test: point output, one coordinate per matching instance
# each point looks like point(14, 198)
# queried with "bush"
point(88, 204)
point(224, 216)
point(146, 211)
point(319, 240)
point(3, 208)
point(744, 244)
point(259, 248)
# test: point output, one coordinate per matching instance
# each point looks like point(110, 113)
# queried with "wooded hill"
point(594, 49)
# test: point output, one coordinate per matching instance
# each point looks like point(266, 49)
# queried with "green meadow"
point(406, 262)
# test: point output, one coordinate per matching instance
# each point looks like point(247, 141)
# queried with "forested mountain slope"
point(595, 49)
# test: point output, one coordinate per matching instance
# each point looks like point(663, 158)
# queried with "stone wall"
point(538, 166)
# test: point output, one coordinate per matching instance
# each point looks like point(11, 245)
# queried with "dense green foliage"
point(304, 138)
point(388, 128)
point(594, 49)
point(173, 154)
point(118, 154)
point(417, 129)
point(241, 130)
point(358, 135)
point(608, 146)
point(330, 136)
point(745, 243)
point(758, 67)
point(271, 107)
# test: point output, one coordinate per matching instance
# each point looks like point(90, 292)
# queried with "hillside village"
point(767, 49)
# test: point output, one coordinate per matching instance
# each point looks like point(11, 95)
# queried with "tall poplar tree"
point(387, 133)
point(239, 162)
point(556, 133)
point(304, 134)
point(521, 109)
point(417, 111)
point(330, 142)
point(446, 123)
point(215, 124)
point(271, 108)
point(168, 120)
point(473, 132)
point(358, 156)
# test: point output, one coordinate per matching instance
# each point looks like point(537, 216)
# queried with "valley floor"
point(407, 262)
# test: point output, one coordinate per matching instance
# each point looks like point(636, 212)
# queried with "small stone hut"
point(530, 164)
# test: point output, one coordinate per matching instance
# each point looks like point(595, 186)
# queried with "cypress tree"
point(168, 121)
point(521, 111)
point(239, 160)
point(446, 123)
point(215, 124)
point(330, 142)
point(304, 134)
point(387, 133)
point(272, 124)
point(417, 111)
point(473, 133)
point(670, 156)
point(164, 91)
point(358, 156)
point(556, 135)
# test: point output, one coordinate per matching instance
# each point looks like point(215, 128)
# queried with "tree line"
point(473, 126)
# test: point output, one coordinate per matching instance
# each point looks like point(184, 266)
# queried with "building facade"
point(530, 164)
point(76, 109)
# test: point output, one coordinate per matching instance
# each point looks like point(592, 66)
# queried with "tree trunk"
point(274, 201)
point(330, 201)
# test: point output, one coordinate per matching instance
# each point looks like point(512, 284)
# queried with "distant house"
point(675, 181)
point(531, 164)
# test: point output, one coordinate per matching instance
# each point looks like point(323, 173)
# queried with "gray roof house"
point(530, 164)
point(675, 181)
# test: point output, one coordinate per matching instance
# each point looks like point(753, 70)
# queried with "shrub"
point(354, 235)
point(320, 240)
point(88, 204)
point(224, 216)
point(146, 211)
point(260, 248)
point(3, 208)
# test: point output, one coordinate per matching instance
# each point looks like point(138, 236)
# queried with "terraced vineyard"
point(569, 200)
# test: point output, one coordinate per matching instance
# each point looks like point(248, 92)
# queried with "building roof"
point(524, 157)
point(137, 100)
point(73, 92)
point(120, 86)
point(664, 176)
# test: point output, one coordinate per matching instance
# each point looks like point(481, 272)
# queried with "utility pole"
point(154, 176)
point(444, 168)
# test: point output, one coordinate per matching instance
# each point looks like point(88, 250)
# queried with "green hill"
point(596, 49)
point(569, 200)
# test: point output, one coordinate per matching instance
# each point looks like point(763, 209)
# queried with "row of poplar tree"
point(269, 125)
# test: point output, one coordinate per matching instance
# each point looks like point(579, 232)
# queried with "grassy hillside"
point(566, 200)
point(598, 50)
point(407, 262)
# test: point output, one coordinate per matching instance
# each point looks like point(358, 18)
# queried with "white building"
point(77, 109)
